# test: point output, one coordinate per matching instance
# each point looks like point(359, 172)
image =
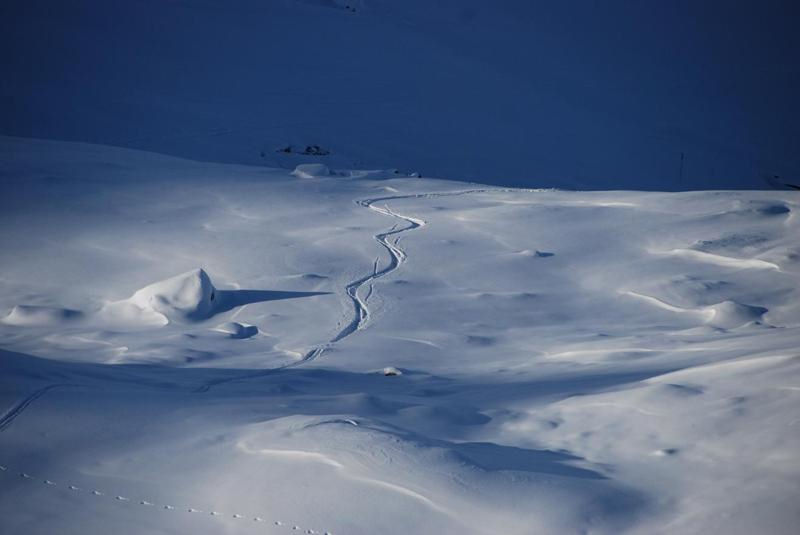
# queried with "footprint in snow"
point(168, 507)
point(193, 510)
point(97, 493)
point(237, 516)
point(215, 513)
point(145, 502)
point(123, 499)
point(3, 468)
point(26, 476)
point(48, 482)
point(258, 519)
point(73, 487)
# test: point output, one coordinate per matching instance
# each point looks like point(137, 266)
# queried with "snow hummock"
point(237, 330)
point(730, 314)
point(311, 170)
point(186, 297)
point(29, 315)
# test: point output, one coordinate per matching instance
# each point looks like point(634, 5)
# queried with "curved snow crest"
point(361, 468)
point(724, 261)
point(186, 297)
point(435, 475)
point(725, 315)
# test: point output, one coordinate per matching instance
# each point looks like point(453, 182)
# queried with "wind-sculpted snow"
point(185, 297)
point(22, 315)
point(358, 353)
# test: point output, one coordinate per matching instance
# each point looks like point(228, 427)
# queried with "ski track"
point(11, 414)
point(146, 503)
point(397, 256)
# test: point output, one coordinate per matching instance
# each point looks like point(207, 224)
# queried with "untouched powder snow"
point(209, 348)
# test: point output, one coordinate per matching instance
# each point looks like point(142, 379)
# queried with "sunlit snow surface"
point(366, 353)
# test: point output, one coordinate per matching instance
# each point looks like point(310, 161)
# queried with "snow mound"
point(186, 297)
point(534, 254)
point(311, 170)
point(237, 330)
point(37, 316)
point(730, 314)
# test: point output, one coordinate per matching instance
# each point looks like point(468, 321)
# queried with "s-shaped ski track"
point(397, 256)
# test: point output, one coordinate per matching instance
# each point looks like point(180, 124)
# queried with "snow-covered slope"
point(368, 353)
point(578, 94)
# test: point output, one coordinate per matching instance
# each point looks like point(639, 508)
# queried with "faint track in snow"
point(11, 414)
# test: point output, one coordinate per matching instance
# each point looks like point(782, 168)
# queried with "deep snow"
point(368, 353)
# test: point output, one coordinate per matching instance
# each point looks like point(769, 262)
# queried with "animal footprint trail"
point(167, 507)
